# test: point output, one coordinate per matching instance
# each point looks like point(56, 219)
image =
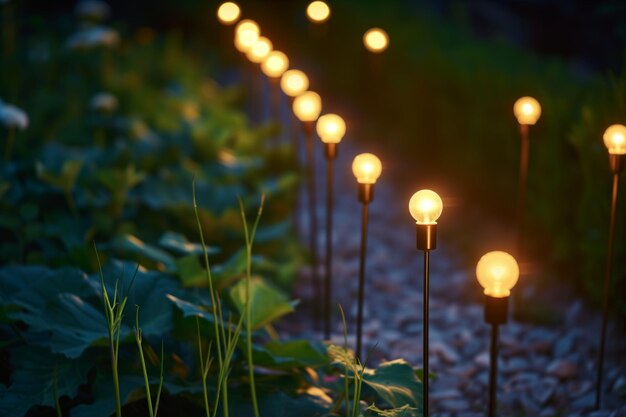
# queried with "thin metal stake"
point(425, 338)
point(605, 297)
point(493, 371)
point(317, 287)
point(329, 249)
point(359, 319)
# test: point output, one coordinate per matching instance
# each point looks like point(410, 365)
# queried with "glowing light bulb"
point(426, 207)
point(615, 139)
point(260, 50)
point(497, 272)
point(331, 128)
point(246, 34)
point(366, 167)
point(318, 12)
point(376, 40)
point(307, 106)
point(275, 64)
point(294, 82)
point(527, 110)
point(228, 13)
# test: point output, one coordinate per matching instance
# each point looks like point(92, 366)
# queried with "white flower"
point(12, 116)
point(92, 9)
point(92, 37)
point(103, 102)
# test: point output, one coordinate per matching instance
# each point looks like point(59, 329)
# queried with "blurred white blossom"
point(103, 102)
point(12, 116)
point(92, 9)
point(93, 36)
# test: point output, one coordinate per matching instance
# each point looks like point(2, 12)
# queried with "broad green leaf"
point(120, 181)
point(395, 382)
point(178, 243)
point(131, 244)
point(266, 303)
point(279, 404)
point(66, 179)
point(190, 309)
point(36, 371)
point(191, 272)
point(290, 354)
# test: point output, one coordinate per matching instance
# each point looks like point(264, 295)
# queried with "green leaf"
point(290, 354)
point(66, 179)
point(178, 243)
point(395, 382)
point(120, 181)
point(266, 303)
point(130, 244)
point(35, 374)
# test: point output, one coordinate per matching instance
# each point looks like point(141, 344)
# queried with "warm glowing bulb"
point(366, 168)
point(318, 12)
point(294, 82)
point(228, 13)
point(307, 106)
point(275, 64)
point(527, 110)
point(497, 272)
point(331, 128)
point(260, 50)
point(615, 139)
point(376, 40)
point(246, 34)
point(425, 207)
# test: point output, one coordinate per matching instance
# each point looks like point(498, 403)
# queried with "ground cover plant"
point(138, 275)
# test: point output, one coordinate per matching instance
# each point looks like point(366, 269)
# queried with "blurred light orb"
point(615, 139)
point(425, 206)
point(366, 168)
point(275, 64)
point(307, 106)
point(376, 40)
point(318, 12)
point(497, 273)
point(331, 128)
point(228, 13)
point(247, 32)
point(527, 110)
point(294, 82)
point(260, 50)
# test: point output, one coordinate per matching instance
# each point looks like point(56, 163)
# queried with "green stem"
point(203, 371)
point(143, 363)
point(249, 333)
point(9, 146)
point(116, 382)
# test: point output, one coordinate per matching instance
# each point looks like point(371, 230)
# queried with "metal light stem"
point(521, 203)
point(493, 371)
point(308, 129)
point(425, 338)
point(605, 297)
point(274, 97)
point(329, 243)
point(359, 318)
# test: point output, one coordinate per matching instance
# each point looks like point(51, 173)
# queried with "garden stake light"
point(318, 12)
point(228, 13)
point(615, 141)
point(274, 66)
point(497, 273)
point(366, 167)
point(376, 40)
point(307, 107)
point(330, 128)
point(247, 33)
point(426, 206)
point(527, 111)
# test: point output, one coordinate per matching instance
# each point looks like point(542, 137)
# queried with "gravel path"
point(543, 371)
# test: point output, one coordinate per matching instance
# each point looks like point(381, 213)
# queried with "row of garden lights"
point(497, 271)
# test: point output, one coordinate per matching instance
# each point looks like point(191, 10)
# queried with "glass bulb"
point(497, 272)
point(376, 40)
point(246, 34)
point(615, 139)
point(527, 110)
point(294, 82)
point(366, 167)
point(228, 13)
point(425, 206)
point(307, 106)
point(331, 128)
point(318, 12)
point(275, 64)
point(260, 50)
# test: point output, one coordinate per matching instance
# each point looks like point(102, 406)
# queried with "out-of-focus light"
point(527, 110)
point(246, 34)
point(275, 64)
point(376, 40)
point(331, 128)
point(260, 50)
point(615, 139)
point(318, 12)
point(294, 82)
point(366, 168)
point(307, 106)
point(425, 207)
point(228, 13)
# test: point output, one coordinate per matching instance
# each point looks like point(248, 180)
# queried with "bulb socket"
point(366, 193)
point(616, 161)
point(330, 150)
point(426, 236)
point(496, 309)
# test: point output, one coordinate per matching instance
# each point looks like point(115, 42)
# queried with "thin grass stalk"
point(248, 312)
point(158, 396)
point(204, 371)
point(345, 346)
point(138, 339)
